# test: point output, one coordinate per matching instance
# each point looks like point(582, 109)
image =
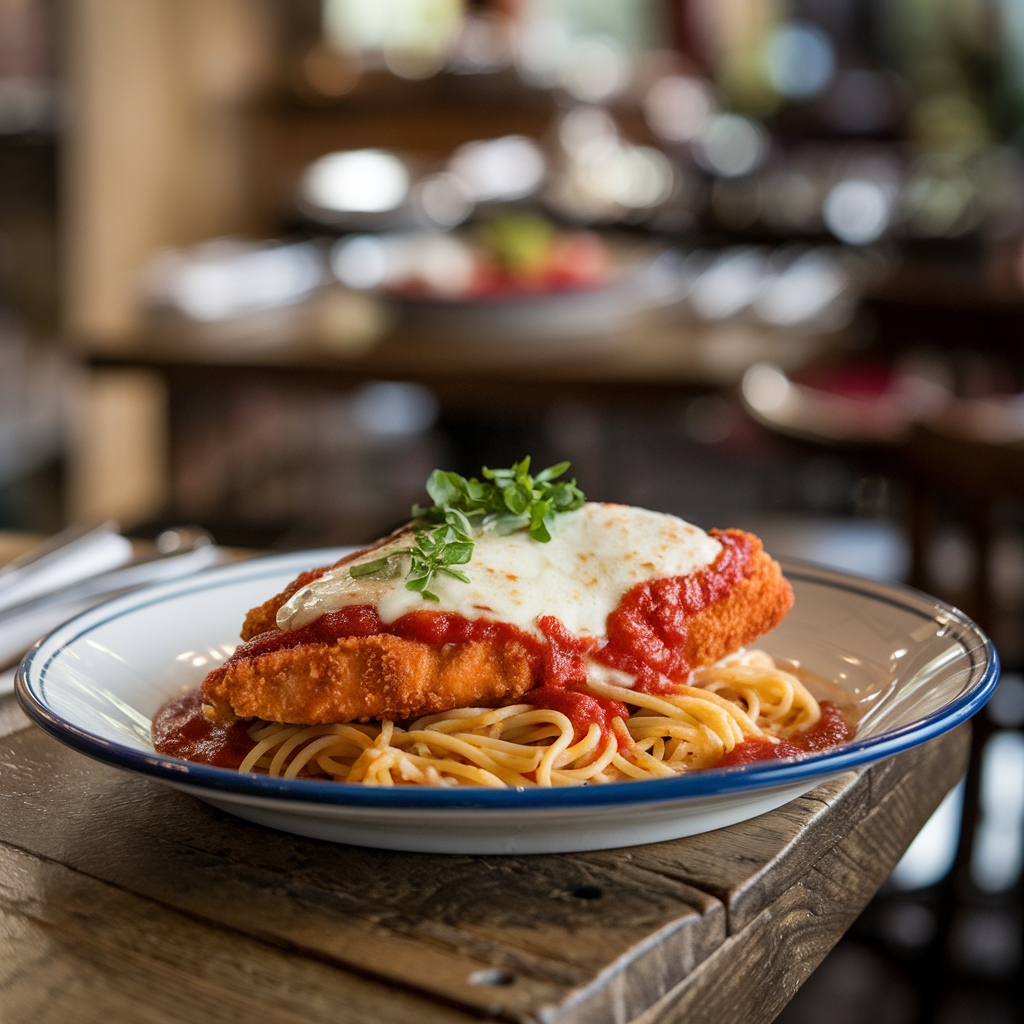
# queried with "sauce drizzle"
point(647, 633)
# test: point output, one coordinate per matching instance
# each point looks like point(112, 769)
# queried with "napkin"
point(20, 627)
point(96, 552)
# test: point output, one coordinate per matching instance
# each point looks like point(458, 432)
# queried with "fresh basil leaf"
point(506, 523)
point(477, 491)
point(505, 500)
point(517, 500)
point(457, 554)
point(458, 522)
point(538, 527)
point(551, 473)
point(441, 488)
point(539, 532)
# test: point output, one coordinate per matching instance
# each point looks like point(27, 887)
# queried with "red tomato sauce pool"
point(831, 729)
point(181, 729)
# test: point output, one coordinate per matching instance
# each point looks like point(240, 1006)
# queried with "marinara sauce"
point(831, 729)
point(181, 729)
point(648, 631)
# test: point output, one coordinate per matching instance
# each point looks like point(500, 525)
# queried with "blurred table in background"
point(123, 465)
point(651, 354)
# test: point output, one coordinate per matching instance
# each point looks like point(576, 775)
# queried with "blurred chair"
point(945, 459)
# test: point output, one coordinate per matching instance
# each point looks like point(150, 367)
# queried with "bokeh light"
point(637, 177)
point(443, 200)
point(482, 47)
point(676, 107)
point(358, 181)
point(584, 124)
point(800, 60)
point(731, 282)
point(225, 278)
point(413, 36)
point(857, 210)
point(803, 291)
point(940, 199)
point(999, 845)
point(393, 409)
point(730, 145)
point(507, 168)
point(765, 387)
point(595, 69)
point(360, 261)
point(428, 261)
point(609, 171)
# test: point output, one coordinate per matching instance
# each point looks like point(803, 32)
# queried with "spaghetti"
point(743, 700)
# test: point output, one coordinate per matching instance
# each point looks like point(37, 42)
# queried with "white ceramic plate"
point(916, 667)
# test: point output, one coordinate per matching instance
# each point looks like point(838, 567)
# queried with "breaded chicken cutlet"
point(311, 674)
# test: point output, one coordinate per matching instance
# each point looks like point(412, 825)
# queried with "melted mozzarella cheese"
point(595, 555)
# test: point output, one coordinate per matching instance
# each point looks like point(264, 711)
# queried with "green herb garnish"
point(505, 501)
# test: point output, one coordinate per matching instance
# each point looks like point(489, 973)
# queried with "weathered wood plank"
point(430, 922)
point(76, 949)
point(749, 865)
point(756, 971)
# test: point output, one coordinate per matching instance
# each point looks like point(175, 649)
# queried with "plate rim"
point(714, 782)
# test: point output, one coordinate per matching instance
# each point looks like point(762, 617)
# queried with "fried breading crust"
point(360, 678)
point(382, 676)
point(757, 604)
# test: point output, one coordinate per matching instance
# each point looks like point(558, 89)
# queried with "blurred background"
point(758, 263)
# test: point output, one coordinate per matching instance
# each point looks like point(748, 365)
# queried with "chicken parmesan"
point(512, 634)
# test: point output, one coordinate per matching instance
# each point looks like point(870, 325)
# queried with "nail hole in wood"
point(491, 976)
point(586, 892)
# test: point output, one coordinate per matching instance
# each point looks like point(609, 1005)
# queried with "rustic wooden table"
point(122, 900)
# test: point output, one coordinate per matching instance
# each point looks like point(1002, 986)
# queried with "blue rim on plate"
point(709, 783)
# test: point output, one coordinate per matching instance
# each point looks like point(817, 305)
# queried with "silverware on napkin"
point(66, 558)
point(179, 552)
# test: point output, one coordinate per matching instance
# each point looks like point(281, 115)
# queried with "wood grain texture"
point(61, 960)
point(571, 939)
point(775, 953)
point(766, 855)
